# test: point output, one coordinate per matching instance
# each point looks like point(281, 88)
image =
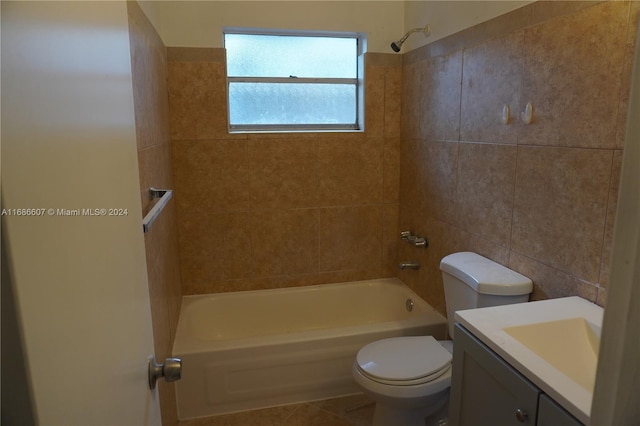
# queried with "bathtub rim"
point(184, 343)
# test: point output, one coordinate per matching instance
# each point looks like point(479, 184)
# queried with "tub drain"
point(409, 305)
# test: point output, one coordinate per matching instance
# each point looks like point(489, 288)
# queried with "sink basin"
point(570, 345)
point(553, 343)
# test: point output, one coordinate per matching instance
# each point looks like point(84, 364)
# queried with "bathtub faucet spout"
point(410, 265)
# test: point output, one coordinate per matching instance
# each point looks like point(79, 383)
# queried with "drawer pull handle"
point(521, 415)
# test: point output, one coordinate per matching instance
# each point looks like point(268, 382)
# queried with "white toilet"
point(409, 377)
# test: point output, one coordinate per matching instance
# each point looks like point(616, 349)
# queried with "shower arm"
point(415, 30)
point(397, 45)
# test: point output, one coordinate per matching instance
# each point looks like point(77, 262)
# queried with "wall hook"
point(527, 115)
point(506, 114)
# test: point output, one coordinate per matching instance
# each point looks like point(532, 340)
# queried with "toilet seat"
point(403, 361)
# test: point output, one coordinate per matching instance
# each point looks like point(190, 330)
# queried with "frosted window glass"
point(291, 104)
point(288, 81)
point(250, 55)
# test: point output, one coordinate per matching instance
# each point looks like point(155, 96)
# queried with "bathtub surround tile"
point(560, 207)
point(575, 98)
point(274, 177)
point(351, 239)
point(214, 247)
point(490, 81)
point(557, 195)
point(149, 74)
point(374, 113)
point(284, 242)
point(437, 179)
point(486, 179)
point(197, 100)
point(350, 169)
point(410, 113)
point(390, 236)
point(154, 167)
point(283, 173)
point(392, 102)
point(391, 170)
point(211, 176)
point(439, 97)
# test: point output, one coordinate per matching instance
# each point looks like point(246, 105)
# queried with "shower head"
point(397, 45)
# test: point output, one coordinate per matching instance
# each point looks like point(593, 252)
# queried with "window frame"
point(358, 82)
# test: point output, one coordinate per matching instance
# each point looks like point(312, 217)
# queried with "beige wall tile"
point(560, 207)
point(214, 248)
point(439, 97)
point(263, 174)
point(549, 282)
point(391, 170)
point(437, 181)
point(374, 113)
point(491, 80)
point(283, 173)
point(351, 239)
point(392, 101)
point(612, 206)
point(284, 242)
point(390, 236)
point(154, 165)
point(350, 169)
point(627, 67)
point(211, 176)
point(411, 95)
point(197, 99)
point(486, 180)
point(575, 97)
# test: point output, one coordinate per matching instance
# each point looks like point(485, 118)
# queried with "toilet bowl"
point(409, 377)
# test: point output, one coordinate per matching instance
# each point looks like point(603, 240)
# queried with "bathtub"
point(257, 349)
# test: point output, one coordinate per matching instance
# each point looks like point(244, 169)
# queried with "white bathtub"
point(256, 349)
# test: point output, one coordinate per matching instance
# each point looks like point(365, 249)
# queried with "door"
point(71, 213)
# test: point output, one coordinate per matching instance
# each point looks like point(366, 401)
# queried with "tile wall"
point(267, 210)
point(539, 198)
point(149, 70)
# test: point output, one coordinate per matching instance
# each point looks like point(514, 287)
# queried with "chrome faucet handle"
point(418, 241)
point(405, 235)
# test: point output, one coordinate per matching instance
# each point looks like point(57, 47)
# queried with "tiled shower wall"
point(539, 198)
point(149, 71)
point(266, 210)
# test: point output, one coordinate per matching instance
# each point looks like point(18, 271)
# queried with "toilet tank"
point(473, 281)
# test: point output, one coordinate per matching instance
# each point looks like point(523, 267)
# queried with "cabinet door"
point(551, 414)
point(485, 390)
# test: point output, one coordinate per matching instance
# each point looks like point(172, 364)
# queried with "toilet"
point(409, 377)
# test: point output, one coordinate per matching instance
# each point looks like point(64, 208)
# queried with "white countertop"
point(487, 324)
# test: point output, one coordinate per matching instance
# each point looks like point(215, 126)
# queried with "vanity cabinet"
point(485, 390)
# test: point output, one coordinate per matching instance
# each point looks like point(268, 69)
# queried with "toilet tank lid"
point(484, 275)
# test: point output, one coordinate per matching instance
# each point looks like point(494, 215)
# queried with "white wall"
point(200, 23)
point(69, 142)
point(449, 17)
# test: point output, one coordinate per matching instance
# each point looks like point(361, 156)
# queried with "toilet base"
point(433, 415)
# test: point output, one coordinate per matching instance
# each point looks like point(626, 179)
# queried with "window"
point(293, 81)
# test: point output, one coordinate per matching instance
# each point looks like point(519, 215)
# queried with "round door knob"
point(521, 415)
point(171, 370)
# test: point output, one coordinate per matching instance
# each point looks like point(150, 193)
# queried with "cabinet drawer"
point(485, 390)
point(551, 414)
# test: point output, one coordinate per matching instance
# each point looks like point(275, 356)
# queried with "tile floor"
point(355, 410)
